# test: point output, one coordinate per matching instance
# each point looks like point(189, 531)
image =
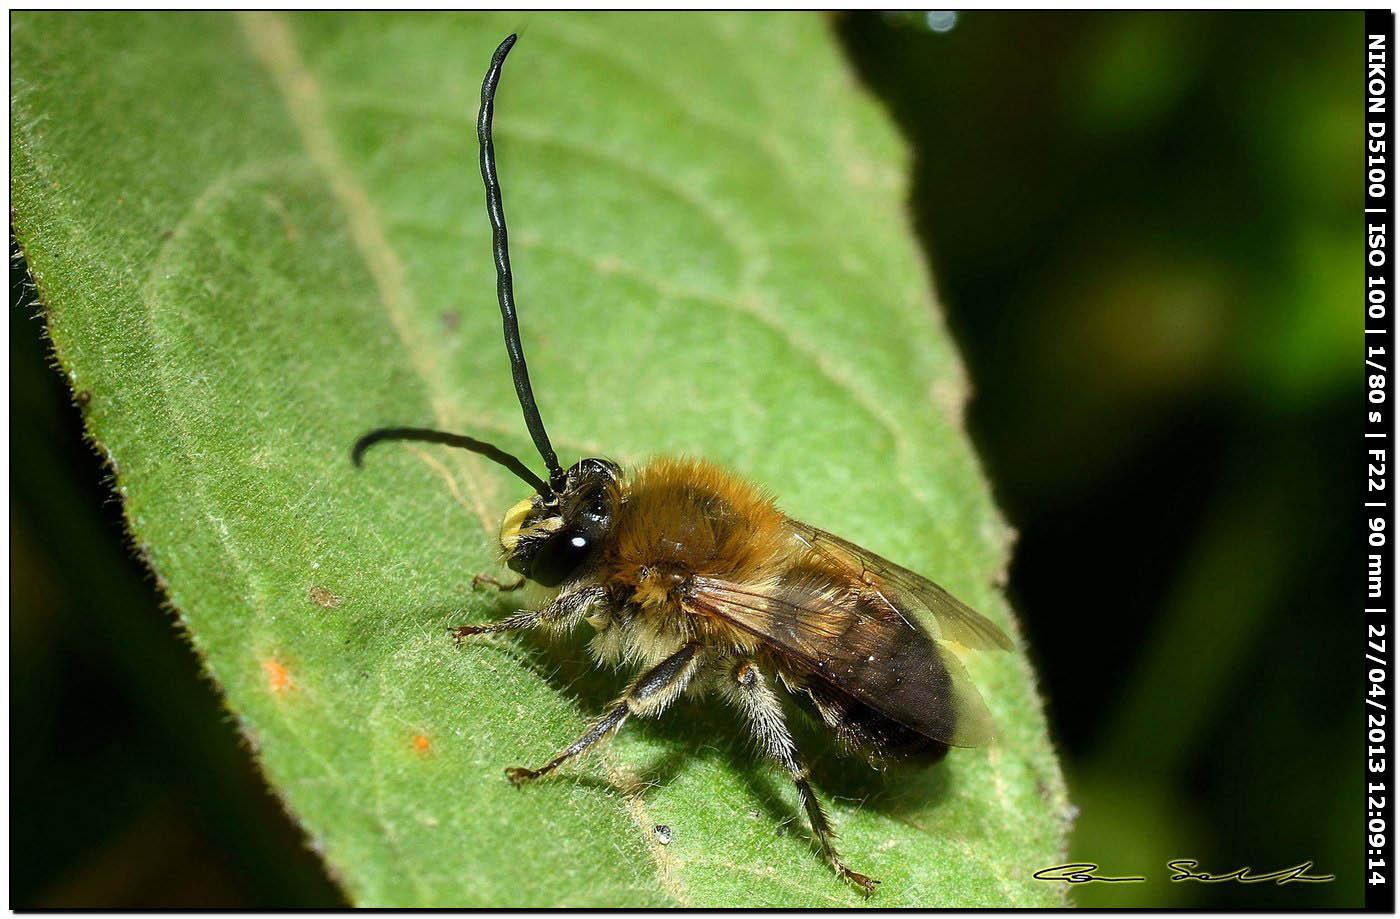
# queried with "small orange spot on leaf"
point(420, 744)
point(278, 679)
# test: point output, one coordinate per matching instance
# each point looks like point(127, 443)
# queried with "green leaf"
point(257, 237)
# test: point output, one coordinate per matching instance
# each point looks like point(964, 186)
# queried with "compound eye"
point(560, 557)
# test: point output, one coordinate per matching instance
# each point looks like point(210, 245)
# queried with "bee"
point(695, 577)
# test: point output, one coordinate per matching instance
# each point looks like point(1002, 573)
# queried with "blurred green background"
point(1145, 229)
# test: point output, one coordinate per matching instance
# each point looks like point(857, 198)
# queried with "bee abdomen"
point(863, 727)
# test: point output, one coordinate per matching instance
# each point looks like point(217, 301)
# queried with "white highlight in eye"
point(579, 542)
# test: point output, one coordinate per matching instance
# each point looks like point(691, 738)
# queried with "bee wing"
point(860, 652)
point(956, 621)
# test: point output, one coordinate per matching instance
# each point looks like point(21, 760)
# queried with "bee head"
point(549, 539)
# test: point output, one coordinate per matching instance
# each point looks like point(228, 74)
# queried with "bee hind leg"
point(765, 715)
point(562, 614)
point(650, 694)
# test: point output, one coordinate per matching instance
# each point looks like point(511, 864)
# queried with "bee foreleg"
point(561, 614)
point(765, 715)
point(650, 694)
point(503, 587)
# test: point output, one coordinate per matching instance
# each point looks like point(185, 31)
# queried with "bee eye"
point(559, 557)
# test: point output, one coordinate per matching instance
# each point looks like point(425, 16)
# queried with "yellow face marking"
point(510, 527)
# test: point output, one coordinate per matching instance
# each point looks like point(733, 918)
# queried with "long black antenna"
point(433, 436)
point(505, 292)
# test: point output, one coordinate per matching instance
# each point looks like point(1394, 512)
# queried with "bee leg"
point(499, 585)
point(765, 715)
point(650, 694)
point(562, 613)
point(524, 620)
